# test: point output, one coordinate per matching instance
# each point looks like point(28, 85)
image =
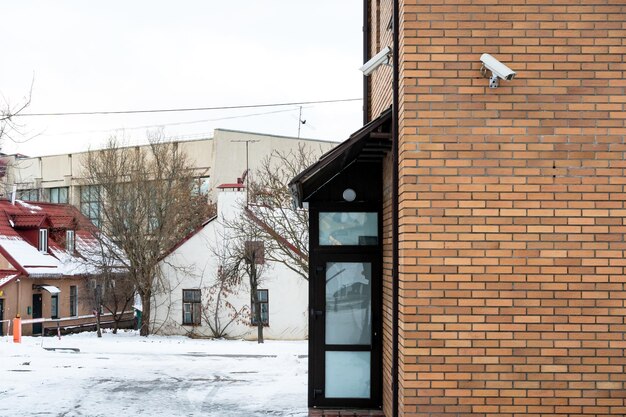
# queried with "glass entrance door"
point(346, 320)
point(348, 336)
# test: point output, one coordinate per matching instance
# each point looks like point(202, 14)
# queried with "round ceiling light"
point(349, 194)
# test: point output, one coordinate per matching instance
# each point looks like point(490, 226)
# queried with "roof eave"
point(341, 156)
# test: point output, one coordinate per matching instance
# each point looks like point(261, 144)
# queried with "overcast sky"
point(147, 54)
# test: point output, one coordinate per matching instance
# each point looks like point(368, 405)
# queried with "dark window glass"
point(73, 301)
point(263, 297)
point(90, 203)
point(28, 195)
point(58, 195)
point(54, 306)
point(43, 240)
point(192, 307)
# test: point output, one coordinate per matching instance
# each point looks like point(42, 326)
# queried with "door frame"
point(319, 256)
point(37, 327)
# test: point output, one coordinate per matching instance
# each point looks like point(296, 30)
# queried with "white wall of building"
point(193, 265)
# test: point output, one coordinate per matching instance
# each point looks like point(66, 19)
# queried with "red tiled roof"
point(233, 185)
point(16, 218)
point(28, 220)
point(62, 222)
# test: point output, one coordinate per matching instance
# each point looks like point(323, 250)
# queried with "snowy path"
point(155, 376)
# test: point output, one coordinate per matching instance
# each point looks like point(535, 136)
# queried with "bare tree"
point(8, 113)
point(111, 293)
point(283, 228)
point(10, 129)
point(146, 205)
point(217, 311)
point(244, 262)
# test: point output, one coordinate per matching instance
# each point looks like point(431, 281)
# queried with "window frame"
point(54, 306)
point(73, 301)
point(201, 186)
point(265, 322)
point(91, 203)
point(367, 239)
point(42, 244)
point(28, 194)
point(58, 191)
point(70, 241)
point(194, 304)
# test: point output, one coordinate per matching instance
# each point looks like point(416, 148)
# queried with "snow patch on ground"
point(127, 374)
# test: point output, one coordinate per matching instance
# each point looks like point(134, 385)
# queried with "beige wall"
point(230, 161)
point(219, 157)
point(25, 289)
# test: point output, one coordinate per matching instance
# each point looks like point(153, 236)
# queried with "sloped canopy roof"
point(370, 143)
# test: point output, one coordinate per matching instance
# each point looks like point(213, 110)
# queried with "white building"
point(189, 275)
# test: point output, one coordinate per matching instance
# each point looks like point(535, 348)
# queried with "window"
point(263, 298)
point(254, 250)
point(54, 306)
point(58, 195)
point(28, 195)
point(69, 241)
point(191, 307)
point(201, 186)
point(43, 240)
point(153, 223)
point(348, 228)
point(73, 301)
point(90, 203)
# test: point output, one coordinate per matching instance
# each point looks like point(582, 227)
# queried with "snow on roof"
point(16, 219)
point(6, 279)
point(33, 261)
point(69, 264)
point(91, 256)
point(33, 208)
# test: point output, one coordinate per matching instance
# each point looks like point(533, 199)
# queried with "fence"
point(77, 323)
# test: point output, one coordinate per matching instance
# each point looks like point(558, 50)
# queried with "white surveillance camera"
point(377, 60)
point(497, 68)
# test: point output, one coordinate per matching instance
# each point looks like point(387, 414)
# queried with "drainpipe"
point(395, 209)
point(366, 57)
point(19, 295)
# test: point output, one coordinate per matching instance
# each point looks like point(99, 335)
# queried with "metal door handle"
point(316, 313)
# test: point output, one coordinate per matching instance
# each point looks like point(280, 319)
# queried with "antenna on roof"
point(300, 122)
point(13, 193)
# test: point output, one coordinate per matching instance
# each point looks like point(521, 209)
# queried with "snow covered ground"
point(129, 375)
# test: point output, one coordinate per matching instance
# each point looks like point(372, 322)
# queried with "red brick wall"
point(512, 298)
point(381, 36)
point(387, 287)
